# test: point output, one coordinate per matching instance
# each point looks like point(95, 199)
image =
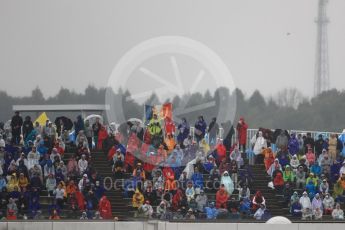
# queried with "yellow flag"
point(42, 119)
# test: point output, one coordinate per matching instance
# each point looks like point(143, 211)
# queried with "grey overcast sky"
point(75, 43)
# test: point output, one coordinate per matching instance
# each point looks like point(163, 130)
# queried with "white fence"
point(88, 225)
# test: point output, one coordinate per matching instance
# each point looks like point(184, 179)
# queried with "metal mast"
point(321, 81)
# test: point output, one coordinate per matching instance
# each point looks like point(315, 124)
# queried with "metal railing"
point(253, 132)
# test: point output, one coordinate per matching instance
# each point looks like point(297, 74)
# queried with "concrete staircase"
point(274, 202)
point(115, 196)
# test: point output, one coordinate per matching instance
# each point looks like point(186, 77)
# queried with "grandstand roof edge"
point(66, 107)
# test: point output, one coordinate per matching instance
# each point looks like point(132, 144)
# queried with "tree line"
point(288, 109)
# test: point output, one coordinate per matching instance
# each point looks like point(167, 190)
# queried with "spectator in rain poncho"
point(326, 164)
point(259, 143)
point(222, 198)
point(293, 145)
point(178, 199)
point(300, 143)
point(39, 143)
point(332, 146)
point(294, 199)
point(137, 199)
point(12, 205)
point(316, 169)
point(81, 139)
point(79, 124)
point(23, 182)
point(33, 158)
point(319, 145)
point(258, 215)
point(72, 167)
point(23, 159)
point(324, 187)
point(275, 166)
point(50, 184)
point(146, 210)
point(244, 192)
point(211, 212)
point(268, 157)
point(183, 131)
point(189, 169)
point(179, 152)
point(210, 163)
point(49, 168)
point(258, 199)
point(282, 140)
point(170, 142)
point(305, 201)
point(213, 130)
point(242, 128)
point(201, 201)
point(161, 211)
point(294, 163)
point(311, 188)
point(2, 141)
point(104, 208)
point(197, 179)
point(155, 130)
point(88, 133)
point(335, 171)
point(283, 159)
point(316, 203)
point(237, 156)
point(12, 183)
point(55, 155)
point(337, 213)
point(3, 182)
point(288, 174)
point(338, 190)
point(312, 178)
point(227, 182)
point(34, 205)
point(204, 146)
point(31, 137)
point(300, 178)
point(244, 207)
point(200, 129)
point(190, 192)
point(174, 160)
point(317, 213)
point(82, 164)
point(328, 204)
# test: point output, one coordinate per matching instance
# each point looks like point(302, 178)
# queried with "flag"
point(162, 111)
point(148, 113)
point(167, 110)
point(42, 119)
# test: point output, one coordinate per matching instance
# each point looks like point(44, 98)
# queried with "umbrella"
point(135, 121)
point(7, 125)
point(113, 127)
point(68, 124)
point(92, 118)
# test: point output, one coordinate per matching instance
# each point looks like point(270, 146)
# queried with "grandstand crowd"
point(169, 170)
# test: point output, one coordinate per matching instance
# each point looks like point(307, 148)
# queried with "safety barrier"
point(90, 225)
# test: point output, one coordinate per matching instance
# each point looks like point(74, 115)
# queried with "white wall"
point(153, 225)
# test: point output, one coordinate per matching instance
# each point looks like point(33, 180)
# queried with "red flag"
point(167, 110)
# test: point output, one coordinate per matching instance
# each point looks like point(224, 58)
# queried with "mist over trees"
point(288, 109)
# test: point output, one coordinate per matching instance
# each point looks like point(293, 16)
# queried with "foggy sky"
point(266, 44)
